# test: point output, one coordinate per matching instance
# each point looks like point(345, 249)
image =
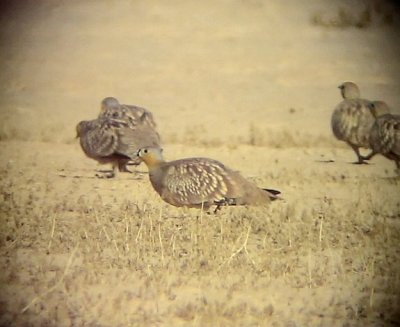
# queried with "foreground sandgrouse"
point(201, 182)
point(385, 133)
point(114, 141)
point(111, 108)
point(352, 119)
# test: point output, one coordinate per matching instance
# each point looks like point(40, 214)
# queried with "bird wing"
point(133, 114)
point(99, 137)
point(140, 114)
point(352, 121)
point(385, 136)
point(130, 140)
point(195, 181)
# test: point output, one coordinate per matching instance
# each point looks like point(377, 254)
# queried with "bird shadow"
point(364, 163)
point(136, 175)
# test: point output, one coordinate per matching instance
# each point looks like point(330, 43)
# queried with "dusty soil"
point(250, 83)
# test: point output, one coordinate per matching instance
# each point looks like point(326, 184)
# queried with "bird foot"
point(124, 170)
point(106, 175)
point(360, 162)
point(224, 202)
point(134, 163)
point(365, 158)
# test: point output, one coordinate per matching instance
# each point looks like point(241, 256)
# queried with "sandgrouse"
point(385, 133)
point(352, 119)
point(114, 141)
point(201, 182)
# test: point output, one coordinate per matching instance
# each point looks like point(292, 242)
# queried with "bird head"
point(152, 157)
point(379, 108)
point(109, 103)
point(349, 90)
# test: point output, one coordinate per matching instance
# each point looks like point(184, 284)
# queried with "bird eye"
point(145, 150)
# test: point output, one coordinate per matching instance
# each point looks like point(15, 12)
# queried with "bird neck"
point(351, 94)
point(153, 162)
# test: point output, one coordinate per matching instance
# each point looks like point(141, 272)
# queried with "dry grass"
point(250, 83)
point(112, 257)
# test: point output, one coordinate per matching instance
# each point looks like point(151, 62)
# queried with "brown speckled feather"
point(385, 137)
point(113, 141)
point(189, 182)
point(134, 115)
point(197, 182)
point(352, 121)
point(100, 137)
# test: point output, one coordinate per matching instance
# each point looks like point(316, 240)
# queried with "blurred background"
point(248, 71)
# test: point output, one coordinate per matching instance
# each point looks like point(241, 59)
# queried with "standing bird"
point(385, 133)
point(114, 141)
point(111, 108)
point(201, 182)
point(352, 119)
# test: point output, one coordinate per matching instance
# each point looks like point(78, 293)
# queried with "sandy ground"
point(250, 83)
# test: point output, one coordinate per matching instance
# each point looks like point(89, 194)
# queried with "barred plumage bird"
point(114, 141)
point(201, 182)
point(352, 119)
point(385, 133)
point(111, 108)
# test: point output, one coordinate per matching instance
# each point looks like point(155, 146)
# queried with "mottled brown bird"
point(201, 182)
point(385, 133)
point(114, 141)
point(352, 119)
point(111, 108)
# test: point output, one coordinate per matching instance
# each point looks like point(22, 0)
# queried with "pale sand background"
point(250, 83)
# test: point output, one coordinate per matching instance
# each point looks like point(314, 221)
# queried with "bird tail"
point(273, 193)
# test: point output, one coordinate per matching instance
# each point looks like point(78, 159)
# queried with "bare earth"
point(250, 83)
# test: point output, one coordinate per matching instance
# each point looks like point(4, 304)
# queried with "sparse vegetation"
point(102, 248)
point(250, 83)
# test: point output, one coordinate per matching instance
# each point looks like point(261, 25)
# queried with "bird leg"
point(368, 156)
point(397, 170)
point(122, 167)
point(106, 174)
point(359, 156)
point(224, 202)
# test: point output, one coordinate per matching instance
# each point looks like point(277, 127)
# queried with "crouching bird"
point(201, 182)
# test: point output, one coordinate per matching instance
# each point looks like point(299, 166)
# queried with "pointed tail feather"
point(274, 193)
